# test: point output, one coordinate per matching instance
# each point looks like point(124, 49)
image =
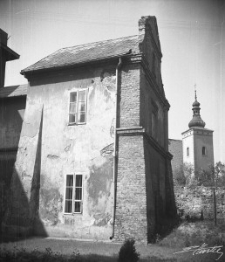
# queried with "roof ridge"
point(103, 41)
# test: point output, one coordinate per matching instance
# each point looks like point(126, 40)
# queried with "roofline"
point(13, 55)
point(102, 41)
point(26, 73)
point(197, 128)
point(174, 139)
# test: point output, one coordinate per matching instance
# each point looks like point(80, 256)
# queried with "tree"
point(214, 177)
point(183, 175)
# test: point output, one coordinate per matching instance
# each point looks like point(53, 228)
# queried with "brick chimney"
point(6, 54)
point(144, 24)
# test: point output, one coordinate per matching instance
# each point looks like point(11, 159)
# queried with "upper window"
point(203, 150)
point(78, 107)
point(187, 151)
point(73, 194)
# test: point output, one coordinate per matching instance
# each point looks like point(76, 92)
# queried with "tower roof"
point(196, 120)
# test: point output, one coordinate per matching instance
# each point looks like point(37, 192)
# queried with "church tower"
point(198, 142)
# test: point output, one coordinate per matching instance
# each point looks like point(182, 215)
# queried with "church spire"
point(196, 120)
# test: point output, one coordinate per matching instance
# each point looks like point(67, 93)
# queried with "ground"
point(186, 235)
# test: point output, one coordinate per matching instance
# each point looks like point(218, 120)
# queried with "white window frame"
point(74, 187)
point(77, 113)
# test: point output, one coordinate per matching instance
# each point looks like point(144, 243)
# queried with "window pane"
point(69, 180)
point(73, 108)
point(77, 207)
point(81, 107)
point(82, 117)
point(68, 206)
point(73, 97)
point(78, 194)
point(69, 193)
point(78, 180)
point(72, 118)
point(81, 96)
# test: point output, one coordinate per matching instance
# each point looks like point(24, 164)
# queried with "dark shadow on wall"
point(161, 215)
point(11, 119)
point(23, 205)
point(7, 160)
point(151, 208)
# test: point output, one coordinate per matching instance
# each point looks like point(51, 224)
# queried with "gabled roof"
point(13, 91)
point(81, 54)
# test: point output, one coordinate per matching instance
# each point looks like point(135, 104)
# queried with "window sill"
point(76, 124)
point(72, 214)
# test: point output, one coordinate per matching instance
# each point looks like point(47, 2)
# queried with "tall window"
point(73, 195)
point(187, 151)
point(78, 107)
point(203, 150)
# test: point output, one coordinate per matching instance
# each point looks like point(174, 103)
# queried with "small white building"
point(198, 142)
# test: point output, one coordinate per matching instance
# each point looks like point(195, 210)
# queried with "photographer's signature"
point(203, 249)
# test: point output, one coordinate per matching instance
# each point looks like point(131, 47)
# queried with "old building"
point(93, 160)
point(198, 142)
point(196, 147)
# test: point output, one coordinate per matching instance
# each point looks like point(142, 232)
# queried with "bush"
point(128, 252)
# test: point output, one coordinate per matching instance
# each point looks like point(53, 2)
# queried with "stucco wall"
point(175, 148)
point(203, 138)
point(65, 149)
point(188, 141)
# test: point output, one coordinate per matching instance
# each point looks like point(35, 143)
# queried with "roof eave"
point(50, 69)
point(10, 54)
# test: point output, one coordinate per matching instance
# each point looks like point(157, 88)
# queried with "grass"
point(71, 250)
point(186, 234)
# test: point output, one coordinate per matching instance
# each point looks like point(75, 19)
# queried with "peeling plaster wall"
point(66, 149)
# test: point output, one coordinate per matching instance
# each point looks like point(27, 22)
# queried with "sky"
point(191, 32)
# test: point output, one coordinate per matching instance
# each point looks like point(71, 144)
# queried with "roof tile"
point(88, 52)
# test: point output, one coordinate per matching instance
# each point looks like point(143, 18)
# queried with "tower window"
point(187, 151)
point(203, 150)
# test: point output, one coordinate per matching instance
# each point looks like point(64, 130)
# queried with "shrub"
point(128, 252)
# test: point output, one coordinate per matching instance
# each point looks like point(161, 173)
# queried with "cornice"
point(139, 130)
point(157, 147)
